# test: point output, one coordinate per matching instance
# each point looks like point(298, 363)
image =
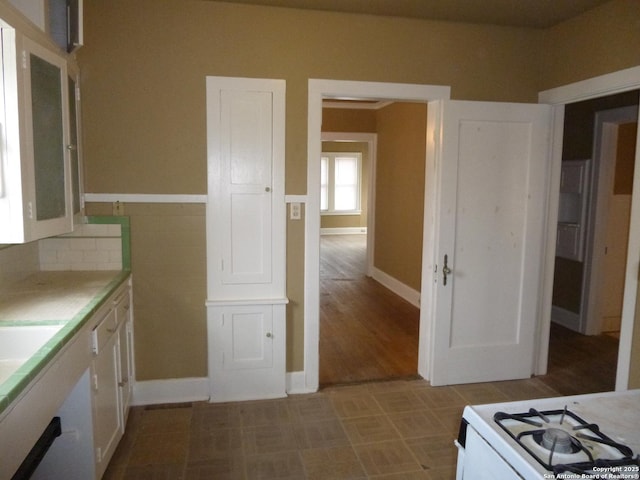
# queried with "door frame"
point(609, 84)
point(352, 90)
point(603, 172)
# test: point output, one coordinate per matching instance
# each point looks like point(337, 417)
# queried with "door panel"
point(491, 188)
point(249, 336)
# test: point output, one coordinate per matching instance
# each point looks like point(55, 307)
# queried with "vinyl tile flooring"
point(383, 429)
point(401, 429)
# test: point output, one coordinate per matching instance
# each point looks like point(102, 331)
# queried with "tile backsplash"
point(89, 247)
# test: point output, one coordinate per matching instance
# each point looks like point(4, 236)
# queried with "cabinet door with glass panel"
point(36, 194)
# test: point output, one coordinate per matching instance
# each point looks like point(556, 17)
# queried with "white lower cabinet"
point(249, 342)
point(94, 414)
point(111, 371)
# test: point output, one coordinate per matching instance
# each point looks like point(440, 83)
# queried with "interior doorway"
point(346, 90)
point(369, 313)
point(589, 286)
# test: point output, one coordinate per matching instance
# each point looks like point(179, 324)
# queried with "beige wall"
point(400, 170)
point(603, 40)
point(144, 65)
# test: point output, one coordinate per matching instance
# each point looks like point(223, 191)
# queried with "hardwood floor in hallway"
point(366, 331)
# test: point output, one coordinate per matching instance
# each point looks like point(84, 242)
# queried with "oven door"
point(477, 460)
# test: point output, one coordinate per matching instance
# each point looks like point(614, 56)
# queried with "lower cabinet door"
point(246, 352)
point(107, 414)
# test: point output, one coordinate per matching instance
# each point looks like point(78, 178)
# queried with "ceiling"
point(520, 13)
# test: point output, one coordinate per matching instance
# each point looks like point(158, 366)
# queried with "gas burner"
point(557, 440)
point(561, 439)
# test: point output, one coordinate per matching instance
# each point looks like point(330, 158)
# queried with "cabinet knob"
point(269, 335)
point(267, 189)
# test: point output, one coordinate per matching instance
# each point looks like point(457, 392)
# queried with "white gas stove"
point(595, 436)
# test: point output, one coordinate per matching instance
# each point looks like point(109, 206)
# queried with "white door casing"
point(318, 90)
point(246, 238)
point(491, 171)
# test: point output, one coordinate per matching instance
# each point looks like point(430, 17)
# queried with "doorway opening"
point(320, 90)
point(369, 313)
point(599, 151)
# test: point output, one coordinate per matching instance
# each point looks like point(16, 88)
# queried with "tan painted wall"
point(400, 168)
point(144, 65)
point(603, 40)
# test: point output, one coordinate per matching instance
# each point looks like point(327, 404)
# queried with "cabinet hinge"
point(95, 382)
point(77, 94)
point(98, 454)
point(24, 59)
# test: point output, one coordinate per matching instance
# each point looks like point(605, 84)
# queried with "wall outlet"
point(294, 211)
point(118, 209)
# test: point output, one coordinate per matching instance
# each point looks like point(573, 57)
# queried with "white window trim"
point(331, 187)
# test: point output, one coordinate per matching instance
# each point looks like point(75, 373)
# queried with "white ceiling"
point(522, 13)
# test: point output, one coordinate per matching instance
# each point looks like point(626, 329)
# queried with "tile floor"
point(402, 429)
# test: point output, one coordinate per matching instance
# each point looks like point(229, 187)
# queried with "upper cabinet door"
point(36, 177)
point(246, 210)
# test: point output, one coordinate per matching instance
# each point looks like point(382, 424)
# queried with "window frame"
point(330, 185)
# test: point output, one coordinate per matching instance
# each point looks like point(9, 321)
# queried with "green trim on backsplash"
point(125, 226)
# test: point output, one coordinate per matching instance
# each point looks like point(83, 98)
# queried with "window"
point(340, 178)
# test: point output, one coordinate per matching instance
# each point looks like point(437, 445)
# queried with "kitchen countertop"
point(67, 298)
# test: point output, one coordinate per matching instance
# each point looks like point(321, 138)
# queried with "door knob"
point(445, 270)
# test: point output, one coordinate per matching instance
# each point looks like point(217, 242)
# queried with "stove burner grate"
point(557, 438)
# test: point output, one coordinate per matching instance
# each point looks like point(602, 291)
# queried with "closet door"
point(246, 208)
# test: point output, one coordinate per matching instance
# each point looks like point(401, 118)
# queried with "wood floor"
point(368, 333)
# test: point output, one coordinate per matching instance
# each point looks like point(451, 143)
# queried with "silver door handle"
point(445, 270)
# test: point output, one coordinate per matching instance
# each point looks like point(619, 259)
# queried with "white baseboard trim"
point(296, 384)
point(343, 231)
point(175, 390)
point(396, 286)
point(565, 318)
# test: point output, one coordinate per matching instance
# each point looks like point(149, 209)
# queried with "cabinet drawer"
point(102, 331)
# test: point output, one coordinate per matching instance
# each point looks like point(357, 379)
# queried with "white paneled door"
point(489, 163)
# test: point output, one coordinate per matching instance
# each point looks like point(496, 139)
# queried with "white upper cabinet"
point(246, 210)
point(36, 199)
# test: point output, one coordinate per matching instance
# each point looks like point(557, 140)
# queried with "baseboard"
point(565, 318)
point(182, 390)
point(344, 231)
point(396, 286)
point(296, 384)
point(174, 390)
